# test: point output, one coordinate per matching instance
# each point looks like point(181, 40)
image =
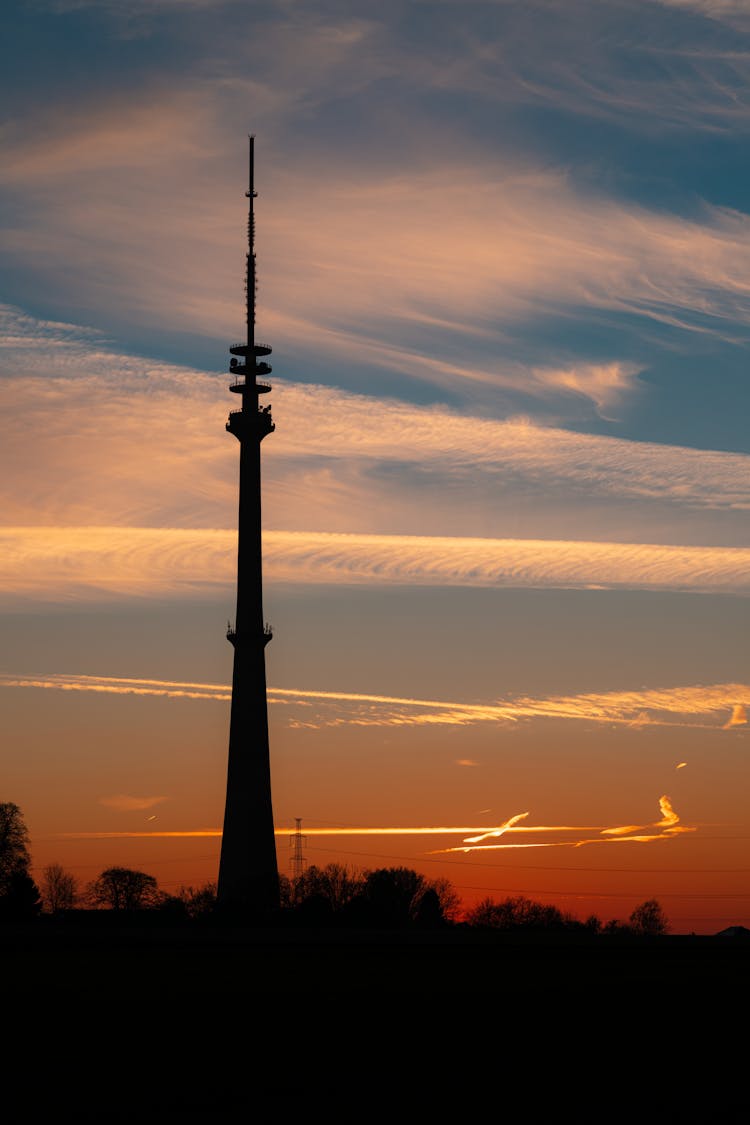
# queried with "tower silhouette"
point(248, 874)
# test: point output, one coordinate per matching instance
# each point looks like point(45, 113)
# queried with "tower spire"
point(248, 873)
point(251, 281)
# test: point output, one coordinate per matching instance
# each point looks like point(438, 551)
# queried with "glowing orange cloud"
point(668, 815)
point(667, 706)
point(632, 833)
point(124, 803)
point(55, 370)
point(738, 718)
point(121, 686)
point(497, 831)
point(402, 830)
point(88, 563)
point(560, 245)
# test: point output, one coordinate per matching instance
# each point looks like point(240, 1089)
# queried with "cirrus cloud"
point(96, 563)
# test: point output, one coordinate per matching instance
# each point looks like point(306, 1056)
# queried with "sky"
point(504, 266)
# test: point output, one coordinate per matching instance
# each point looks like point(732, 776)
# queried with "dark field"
point(141, 1023)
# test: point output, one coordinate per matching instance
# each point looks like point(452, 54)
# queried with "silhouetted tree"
point(19, 894)
point(286, 893)
point(14, 844)
point(59, 889)
point(448, 898)
point(648, 919)
point(387, 896)
point(615, 928)
point(392, 895)
point(20, 898)
point(428, 914)
point(120, 888)
point(335, 884)
point(198, 901)
point(518, 912)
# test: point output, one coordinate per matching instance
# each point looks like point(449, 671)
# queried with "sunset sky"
point(504, 266)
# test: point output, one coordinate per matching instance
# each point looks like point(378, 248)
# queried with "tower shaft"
point(248, 873)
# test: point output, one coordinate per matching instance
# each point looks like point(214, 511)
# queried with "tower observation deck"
point(248, 874)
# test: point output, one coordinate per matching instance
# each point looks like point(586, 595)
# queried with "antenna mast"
point(251, 281)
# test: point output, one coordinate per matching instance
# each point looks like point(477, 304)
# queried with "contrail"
point(647, 707)
point(629, 833)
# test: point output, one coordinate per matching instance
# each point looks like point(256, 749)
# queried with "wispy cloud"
point(530, 238)
point(429, 560)
point(668, 827)
point(95, 563)
point(676, 706)
point(738, 718)
point(124, 803)
point(495, 832)
point(164, 459)
point(586, 834)
point(106, 685)
point(735, 12)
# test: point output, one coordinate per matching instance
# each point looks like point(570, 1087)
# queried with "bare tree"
point(59, 889)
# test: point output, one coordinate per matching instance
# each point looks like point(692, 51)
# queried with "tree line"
point(386, 897)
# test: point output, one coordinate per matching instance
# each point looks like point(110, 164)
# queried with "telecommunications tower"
point(248, 874)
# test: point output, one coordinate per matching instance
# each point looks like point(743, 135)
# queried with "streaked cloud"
point(164, 459)
point(124, 803)
point(677, 706)
point(668, 815)
point(428, 560)
point(631, 833)
point(733, 11)
point(95, 563)
point(499, 831)
point(738, 718)
point(530, 235)
point(353, 830)
point(670, 826)
point(106, 685)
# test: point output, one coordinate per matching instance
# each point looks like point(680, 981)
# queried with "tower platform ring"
point(251, 349)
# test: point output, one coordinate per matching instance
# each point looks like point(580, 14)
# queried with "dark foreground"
point(124, 1022)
